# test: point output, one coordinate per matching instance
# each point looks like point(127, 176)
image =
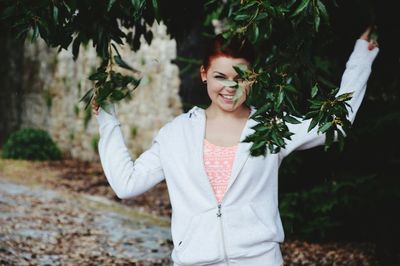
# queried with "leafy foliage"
point(330, 114)
point(31, 144)
point(284, 33)
point(274, 27)
point(62, 23)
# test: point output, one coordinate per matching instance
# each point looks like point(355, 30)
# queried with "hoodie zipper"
point(219, 215)
point(219, 204)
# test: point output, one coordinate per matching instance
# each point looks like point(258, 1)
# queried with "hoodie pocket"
point(246, 234)
point(201, 242)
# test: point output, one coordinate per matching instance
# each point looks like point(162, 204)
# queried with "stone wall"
point(53, 84)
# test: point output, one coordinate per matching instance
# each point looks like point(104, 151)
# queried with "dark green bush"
point(31, 144)
point(318, 212)
point(350, 195)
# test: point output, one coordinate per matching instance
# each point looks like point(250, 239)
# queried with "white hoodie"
point(245, 229)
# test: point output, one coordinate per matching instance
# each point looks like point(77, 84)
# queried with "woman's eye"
point(219, 77)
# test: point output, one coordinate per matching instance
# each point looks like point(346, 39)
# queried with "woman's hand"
point(367, 37)
point(95, 106)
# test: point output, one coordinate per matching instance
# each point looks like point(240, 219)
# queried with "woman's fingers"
point(365, 35)
point(372, 44)
point(95, 107)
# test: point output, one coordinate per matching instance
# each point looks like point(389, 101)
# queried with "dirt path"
point(65, 213)
point(47, 227)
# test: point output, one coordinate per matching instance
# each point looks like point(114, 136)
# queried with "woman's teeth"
point(229, 97)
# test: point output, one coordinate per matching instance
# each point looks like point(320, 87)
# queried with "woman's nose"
point(229, 89)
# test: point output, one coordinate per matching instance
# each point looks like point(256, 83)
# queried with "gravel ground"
point(65, 213)
point(46, 227)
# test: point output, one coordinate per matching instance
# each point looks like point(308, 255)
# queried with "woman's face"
point(222, 68)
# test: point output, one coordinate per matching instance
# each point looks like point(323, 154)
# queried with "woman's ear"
point(203, 73)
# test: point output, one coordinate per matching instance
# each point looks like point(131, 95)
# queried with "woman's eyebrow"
point(220, 73)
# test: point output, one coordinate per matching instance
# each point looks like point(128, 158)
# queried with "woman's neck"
point(213, 112)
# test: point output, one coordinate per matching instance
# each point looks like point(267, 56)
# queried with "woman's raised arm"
point(127, 178)
point(354, 79)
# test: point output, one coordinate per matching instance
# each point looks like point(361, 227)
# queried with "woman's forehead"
point(224, 64)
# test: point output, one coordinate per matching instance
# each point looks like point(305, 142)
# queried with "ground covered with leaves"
point(65, 213)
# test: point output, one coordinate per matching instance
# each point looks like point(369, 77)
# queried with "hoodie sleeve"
point(354, 79)
point(126, 177)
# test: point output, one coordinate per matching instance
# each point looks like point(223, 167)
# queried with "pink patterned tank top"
point(218, 161)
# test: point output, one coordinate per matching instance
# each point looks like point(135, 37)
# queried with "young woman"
point(224, 202)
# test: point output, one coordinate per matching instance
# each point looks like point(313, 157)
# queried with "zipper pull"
point(219, 211)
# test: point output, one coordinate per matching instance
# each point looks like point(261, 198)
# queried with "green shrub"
point(339, 210)
point(31, 144)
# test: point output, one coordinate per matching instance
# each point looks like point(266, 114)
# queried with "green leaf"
point(156, 10)
point(322, 10)
point(241, 17)
point(227, 83)
point(86, 95)
point(374, 36)
point(291, 3)
point(255, 33)
point(291, 119)
point(281, 96)
point(262, 16)
point(117, 95)
point(67, 7)
point(122, 63)
point(55, 14)
point(87, 98)
point(311, 114)
point(260, 110)
point(317, 21)
point(313, 123)
point(116, 50)
point(118, 59)
point(136, 4)
point(259, 144)
point(329, 139)
point(98, 76)
point(239, 92)
point(241, 69)
point(247, 6)
point(344, 96)
point(110, 4)
point(35, 33)
point(325, 127)
point(290, 88)
point(301, 7)
point(75, 47)
point(274, 137)
point(314, 91)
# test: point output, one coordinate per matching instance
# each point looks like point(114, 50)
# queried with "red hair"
point(234, 48)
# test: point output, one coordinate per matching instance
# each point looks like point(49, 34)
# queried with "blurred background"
point(338, 207)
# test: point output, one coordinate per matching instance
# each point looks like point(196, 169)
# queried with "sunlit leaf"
point(301, 7)
point(227, 83)
point(325, 127)
point(239, 92)
point(314, 91)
